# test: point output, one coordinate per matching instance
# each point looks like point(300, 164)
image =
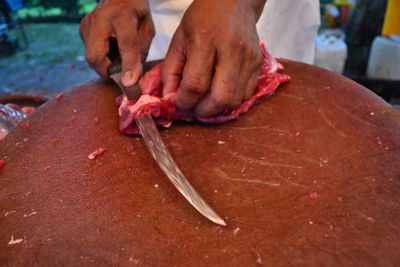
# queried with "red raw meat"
point(25, 124)
point(25, 110)
point(164, 111)
point(2, 164)
point(59, 96)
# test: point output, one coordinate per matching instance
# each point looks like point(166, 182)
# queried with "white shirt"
point(288, 27)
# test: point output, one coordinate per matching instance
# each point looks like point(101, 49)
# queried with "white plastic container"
point(331, 51)
point(384, 58)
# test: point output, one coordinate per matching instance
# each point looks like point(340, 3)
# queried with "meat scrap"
point(45, 169)
point(164, 111)
point(96, 153)
point(15, 241)
point(28, 110)
point(25, 124)
point(313, 195)
point(59, 96)
point(25, 110)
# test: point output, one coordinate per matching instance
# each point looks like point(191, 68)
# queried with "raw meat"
point(164, 111)
point(2, 164)
point(59, 96)
point(25, 110)
point(26, 124)
point(96, 153)
point(28, 110)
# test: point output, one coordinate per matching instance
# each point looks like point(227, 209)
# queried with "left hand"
point(129, 22)
point(214, 59)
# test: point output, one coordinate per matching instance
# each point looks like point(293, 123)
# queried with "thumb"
point(129, 49)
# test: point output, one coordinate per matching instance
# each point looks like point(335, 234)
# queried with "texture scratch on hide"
point(223, 175)
point(263, 127)
point(330, 124)
point(262, 162)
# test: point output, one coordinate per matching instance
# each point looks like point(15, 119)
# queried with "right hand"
point(214, 60)
point(127, 21)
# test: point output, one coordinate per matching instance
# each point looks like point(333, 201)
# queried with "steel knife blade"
point(161, 154)
point(165, 161)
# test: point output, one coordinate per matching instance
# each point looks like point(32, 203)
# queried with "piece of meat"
point(28, 110)
point(2, 164)
point(59, 96)
point(25, 124)
point(164, 111)
point(96, 153)
point(25, 110)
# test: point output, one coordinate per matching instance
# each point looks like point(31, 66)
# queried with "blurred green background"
point(54, 57)
point(36, 8)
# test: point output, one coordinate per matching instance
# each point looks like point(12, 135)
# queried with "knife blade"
point(161, 154)
point(165, 161)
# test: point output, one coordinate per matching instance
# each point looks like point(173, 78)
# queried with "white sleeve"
point(167, 15)
point(289, 28)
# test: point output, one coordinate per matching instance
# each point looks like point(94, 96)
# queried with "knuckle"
point(121, 5)
point(85, 21)
point(238, 51)
point(127, 44)
point(225, 100)
point(235, 44)
point(194, 86)
point(240, 43)
point(234, 103)
point(249, 51)
point(124, 14)
point(96, 14)
point(127, 64)
point(92, 58)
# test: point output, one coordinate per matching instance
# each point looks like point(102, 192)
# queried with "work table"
point(310, 176)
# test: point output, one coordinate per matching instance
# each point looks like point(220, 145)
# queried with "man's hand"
point(130, 23)
point(214, 59)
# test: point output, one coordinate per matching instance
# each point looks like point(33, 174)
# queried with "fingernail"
point(128, 79)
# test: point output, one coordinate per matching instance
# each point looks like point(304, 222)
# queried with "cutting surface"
point(311, 176)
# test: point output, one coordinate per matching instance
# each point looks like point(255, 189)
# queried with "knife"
point(160, 152)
